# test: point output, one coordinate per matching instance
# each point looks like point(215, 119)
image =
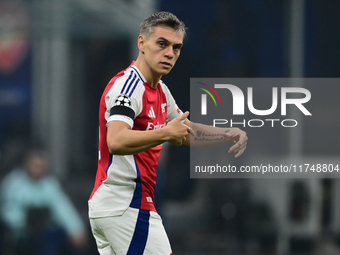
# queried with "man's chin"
point(165, 71)
point(161, 71)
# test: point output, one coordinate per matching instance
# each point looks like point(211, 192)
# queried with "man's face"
point(161, 49)
point(36, 168)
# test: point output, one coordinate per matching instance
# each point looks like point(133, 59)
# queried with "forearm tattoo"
point(203, 136)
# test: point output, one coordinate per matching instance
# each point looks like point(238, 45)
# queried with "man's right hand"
point(178, 131)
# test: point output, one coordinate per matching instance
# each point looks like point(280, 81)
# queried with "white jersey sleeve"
point(123, 100)
point(173, 110)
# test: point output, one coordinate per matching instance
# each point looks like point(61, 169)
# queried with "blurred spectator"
point(36, 212)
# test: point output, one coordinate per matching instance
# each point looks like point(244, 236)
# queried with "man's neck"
point(150, 77)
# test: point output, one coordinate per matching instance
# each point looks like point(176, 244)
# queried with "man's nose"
point(169, 53)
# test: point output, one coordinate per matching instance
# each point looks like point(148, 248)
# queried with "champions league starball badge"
point(123, 100)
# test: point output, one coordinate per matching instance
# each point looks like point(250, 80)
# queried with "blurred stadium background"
point(57, 56)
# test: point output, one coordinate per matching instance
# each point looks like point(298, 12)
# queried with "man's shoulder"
point(14, 178)
point(117, 82)
point(127, 82)
point(164, 88)
point(123, 74)
point(120, 77)
point(15, 174)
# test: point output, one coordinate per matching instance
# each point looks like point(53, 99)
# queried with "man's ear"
point(141, 43)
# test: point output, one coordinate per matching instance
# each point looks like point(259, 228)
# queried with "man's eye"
point(162, 44)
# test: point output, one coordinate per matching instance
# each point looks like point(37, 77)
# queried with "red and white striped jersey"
point(129, 180)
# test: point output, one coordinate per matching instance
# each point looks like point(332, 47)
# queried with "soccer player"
point(137, 115)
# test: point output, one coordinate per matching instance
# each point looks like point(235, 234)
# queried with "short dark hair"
point(161, 18)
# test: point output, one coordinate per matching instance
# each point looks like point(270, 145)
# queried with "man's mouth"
point(166, 64)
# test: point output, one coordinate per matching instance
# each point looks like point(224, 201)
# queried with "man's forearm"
point(121, 140)
point(128, 142)
point(206, 136)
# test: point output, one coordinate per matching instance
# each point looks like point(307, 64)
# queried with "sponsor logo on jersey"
point(149, 199)
point(152, 126)
point(152, 113)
